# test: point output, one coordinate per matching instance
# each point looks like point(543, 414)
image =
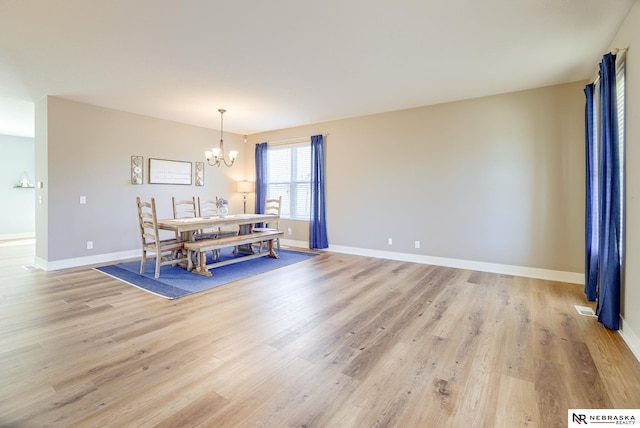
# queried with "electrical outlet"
point(417, 244)
point(390, 241)
point(289, 231)
point(83, 199)
point(89, 245)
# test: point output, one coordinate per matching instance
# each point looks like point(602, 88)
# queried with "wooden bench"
point(202, 246)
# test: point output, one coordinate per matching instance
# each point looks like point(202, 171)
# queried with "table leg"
point(244, 229)
point(201, 268)
point(272, 251)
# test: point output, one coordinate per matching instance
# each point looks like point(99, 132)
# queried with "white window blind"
point(289, 176)
point(620, 100)
point(620, 110)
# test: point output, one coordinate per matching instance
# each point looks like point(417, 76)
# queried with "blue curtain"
point(261, 177)
point(591, 198)
point(317, 225)
point(609, 257)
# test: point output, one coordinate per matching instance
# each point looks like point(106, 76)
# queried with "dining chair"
point(184, 208)
point(166, 252)
point(271, 206)
point(209, 208)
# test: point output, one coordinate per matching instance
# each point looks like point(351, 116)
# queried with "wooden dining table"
point(187, 226)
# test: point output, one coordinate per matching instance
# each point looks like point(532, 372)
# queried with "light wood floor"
point(337, 341)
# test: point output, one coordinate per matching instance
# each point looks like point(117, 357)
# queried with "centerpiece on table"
point(222, 205)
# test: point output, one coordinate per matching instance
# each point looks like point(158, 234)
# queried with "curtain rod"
point(292, 140)
point(614, 51)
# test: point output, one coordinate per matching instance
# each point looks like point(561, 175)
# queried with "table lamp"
point(244, 187)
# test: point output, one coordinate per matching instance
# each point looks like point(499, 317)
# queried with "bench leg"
point(197, 267)
point(201, 268)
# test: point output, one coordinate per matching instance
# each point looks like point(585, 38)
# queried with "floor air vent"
point(30, 267)
point(585, 310)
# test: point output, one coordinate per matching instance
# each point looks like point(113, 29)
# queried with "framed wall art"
point(163, 171)
point(199, 173)
point(137, 170)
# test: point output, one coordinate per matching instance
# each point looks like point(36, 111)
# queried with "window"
point(620, 99)
point(289, 176)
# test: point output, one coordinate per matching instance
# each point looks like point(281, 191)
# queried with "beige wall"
point(498, 179)
point(89, 153)
point(629, 36)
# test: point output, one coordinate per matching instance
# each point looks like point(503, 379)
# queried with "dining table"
point(187, 227)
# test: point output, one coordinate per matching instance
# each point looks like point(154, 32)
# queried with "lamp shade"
point(244, 186)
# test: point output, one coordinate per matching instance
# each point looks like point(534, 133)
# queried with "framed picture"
point(137, 170)
point(199, 173)
point(169, 172)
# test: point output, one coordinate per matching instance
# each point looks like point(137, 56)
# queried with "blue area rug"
point(175, 281)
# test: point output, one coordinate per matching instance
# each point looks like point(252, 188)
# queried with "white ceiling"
point(281, 63)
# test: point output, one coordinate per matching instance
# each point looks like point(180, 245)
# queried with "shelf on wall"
point(24, 182)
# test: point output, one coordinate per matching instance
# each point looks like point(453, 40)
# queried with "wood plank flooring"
point(336, 341)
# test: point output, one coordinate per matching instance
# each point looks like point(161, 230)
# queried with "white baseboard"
point(84, 261)
point(11, 236)
point(550, 275)
point(630, 337)
point(292, 243)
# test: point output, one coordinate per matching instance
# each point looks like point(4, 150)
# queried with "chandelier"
point(216, 156)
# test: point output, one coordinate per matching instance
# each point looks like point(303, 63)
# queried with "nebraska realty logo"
point(599, 417)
